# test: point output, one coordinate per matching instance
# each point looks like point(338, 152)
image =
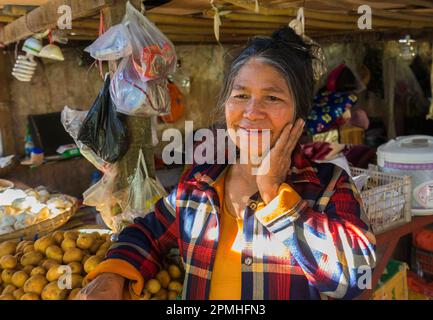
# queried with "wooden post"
point(389, 77)
point(139, 128)
point(6, 126)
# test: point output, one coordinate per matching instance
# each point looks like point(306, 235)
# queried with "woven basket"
point(43, 227)
point(386, 198)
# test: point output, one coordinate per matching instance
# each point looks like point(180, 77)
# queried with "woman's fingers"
point(295, 134)
point(283, 139)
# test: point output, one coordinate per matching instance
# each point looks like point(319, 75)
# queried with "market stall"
point(88, 91)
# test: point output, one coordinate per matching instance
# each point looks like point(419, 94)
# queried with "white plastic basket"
point(386, 198)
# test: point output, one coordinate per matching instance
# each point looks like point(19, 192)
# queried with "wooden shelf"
point(386, 243)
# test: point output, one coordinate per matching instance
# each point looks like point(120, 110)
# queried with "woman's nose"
point(254, 110)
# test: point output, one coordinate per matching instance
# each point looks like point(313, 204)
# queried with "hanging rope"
point(317, 53)
point(217, 20)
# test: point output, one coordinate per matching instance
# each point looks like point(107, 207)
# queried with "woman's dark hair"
point(290, 55)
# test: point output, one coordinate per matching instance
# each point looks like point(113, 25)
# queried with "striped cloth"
point(318, 248)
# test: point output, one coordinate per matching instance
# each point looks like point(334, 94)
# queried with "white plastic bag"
point(153, 53)
point(143, 193)
point(72, 120)
point(133, 96)
point(100, 196)
point(111, 45)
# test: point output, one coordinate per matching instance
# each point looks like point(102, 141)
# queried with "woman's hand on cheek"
point(275, 166)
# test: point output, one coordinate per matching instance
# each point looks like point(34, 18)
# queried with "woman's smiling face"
point(260, 102)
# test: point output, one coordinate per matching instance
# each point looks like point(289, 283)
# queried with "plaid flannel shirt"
point(316, 249)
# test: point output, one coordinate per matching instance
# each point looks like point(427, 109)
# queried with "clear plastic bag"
point(153, 53)
point(111, 45)
point(100, 196)
point(102, 131)
point(72, 121)
point(143, 193)
point(132, 96)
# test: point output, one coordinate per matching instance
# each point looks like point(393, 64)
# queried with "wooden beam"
point(167, 29)
point(182, 7)
point(45, 17)
point(167, 19)
point(87, 23)
point(312, 15)
point(24, 2)
point(420, 3)
point(353, 6)
point(7, 19)
point(182, 38)
point(310, 23)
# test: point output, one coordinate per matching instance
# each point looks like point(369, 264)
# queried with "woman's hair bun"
point(288, 35)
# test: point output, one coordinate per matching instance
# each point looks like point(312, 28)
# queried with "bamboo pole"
point(166, 29)
point(45, 17)
point(7, 19)
point(285, 20)
point(91, 24)
point(167, 19)
point(175, 38)
point(320, 15)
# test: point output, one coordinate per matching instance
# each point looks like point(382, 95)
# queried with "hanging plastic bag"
point(111, 45)
point(153, 125)
point(134, 97)
point(143, 193)
point(72, 121)
point(102, 131)
point(153, 53)
point(100, 196)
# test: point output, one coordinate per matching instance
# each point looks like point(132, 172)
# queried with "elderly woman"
point(296, 231)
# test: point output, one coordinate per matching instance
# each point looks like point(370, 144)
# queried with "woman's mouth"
point(254, 130)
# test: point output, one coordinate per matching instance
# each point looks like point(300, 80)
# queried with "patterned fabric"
point(327, 111)
point(312, 250)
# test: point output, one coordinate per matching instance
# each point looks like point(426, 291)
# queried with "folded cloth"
point(316, 150)
point(359, 155)
point(322, 150)
point(328, 109)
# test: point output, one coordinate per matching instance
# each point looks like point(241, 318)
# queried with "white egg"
point(6, 230)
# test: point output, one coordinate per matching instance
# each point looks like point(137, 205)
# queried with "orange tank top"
point(227, 271)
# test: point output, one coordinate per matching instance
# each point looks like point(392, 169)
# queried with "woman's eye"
point(273, 98)
point(241, 96)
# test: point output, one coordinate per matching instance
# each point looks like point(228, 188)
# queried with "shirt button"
point(248, 261)
point(253, 205)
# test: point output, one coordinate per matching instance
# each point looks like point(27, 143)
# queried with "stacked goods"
point(393, 282)
point(50, 268)
point(20, 209)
